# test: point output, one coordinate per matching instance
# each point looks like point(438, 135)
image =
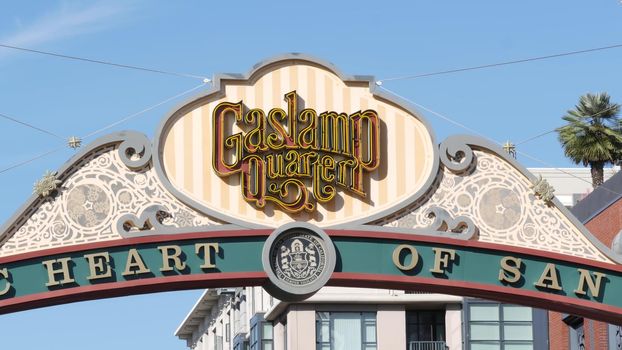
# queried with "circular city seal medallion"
point(299, 259)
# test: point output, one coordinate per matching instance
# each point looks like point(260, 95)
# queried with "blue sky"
point(384, 39)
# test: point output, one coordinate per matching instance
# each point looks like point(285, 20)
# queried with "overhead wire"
point(498, 64)
point(18, 164)
point(124, 119)
point(108, 63)
point(497, 143)
point(447, 119)
point(15, 120)
point(206, 80)
point(133, 115)
point(551, 131)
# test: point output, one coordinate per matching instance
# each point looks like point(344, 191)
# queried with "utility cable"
point(119, 65)
point(535, 137)
point(447, 119)
point(13, 166)
point(133, 115)
point(15, 120)
point(551, 131)
point(565, 172)
point(497, 143)
point(531, 59)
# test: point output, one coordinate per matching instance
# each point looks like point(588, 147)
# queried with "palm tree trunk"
point(597, 173)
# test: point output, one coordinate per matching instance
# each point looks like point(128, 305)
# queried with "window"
point(228, 332)
point(261, 333)
point(345, 330)
point(425, 325)
point(500, 327)
point(576, 333)
point(240, 342)
point(615, 337)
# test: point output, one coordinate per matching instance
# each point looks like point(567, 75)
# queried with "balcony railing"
point(427, 345)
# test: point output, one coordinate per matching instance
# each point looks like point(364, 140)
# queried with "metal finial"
point(74, 142)
point(47, 184)
point(510, 148)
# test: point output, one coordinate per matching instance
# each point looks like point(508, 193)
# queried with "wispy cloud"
point(67, 21)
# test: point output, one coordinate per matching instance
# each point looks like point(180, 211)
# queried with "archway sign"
point(292, 177)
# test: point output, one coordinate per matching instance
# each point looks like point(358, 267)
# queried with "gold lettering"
point(207, 249)
point(549, 278)
point(254, 139)
point(269, 153)
point(134, 261)
point(366, 140)
point(4, 274)
point(442, 259)
point(585, 278)
point(62, 270)
point(224, 143)
point(308, 135)
point(413, 260)
point(167, 256)
point(510, 273)
point(99, 265)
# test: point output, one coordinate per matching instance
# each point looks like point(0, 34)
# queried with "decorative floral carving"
point(48, 183)
point(543, 189)
point(100, 190)
point(500, 202)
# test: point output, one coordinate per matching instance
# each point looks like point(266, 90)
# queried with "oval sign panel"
point(295, 140)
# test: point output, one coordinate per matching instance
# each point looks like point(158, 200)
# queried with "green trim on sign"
point(374, 256)
point(234, 255)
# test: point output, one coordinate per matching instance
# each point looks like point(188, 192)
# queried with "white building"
point(571, 184)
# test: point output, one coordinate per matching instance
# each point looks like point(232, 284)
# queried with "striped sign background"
point(406, 146)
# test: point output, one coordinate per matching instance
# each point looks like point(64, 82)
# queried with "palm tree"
point(593, 135)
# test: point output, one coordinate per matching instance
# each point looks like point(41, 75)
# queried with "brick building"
point(601, 213)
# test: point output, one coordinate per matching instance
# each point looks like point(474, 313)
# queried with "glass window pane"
point(426, 317)
point(370, 347)
point(370, 333)
point(346, 330)
point(487, 346)
point(267, 346)
point(484, 332)
point(484, 312)
point(326, 331)
point(267, 331)
point(518, 332)
point(440, 332)
point(516, 313)
point(518, 346)
point(322, 315)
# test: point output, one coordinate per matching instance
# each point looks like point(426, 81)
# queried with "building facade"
point(357, 318)
point(601, 213)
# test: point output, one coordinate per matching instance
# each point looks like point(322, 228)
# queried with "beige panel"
point(406, 160)
point(391, 327)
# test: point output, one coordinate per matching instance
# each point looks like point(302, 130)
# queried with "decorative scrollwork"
point(135, 151)
point(98, 187)
point(443, 222)
point(499, 200)
point(456, 155)
point(150, 219)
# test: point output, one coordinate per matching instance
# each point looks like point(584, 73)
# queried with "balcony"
point(427, 345)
